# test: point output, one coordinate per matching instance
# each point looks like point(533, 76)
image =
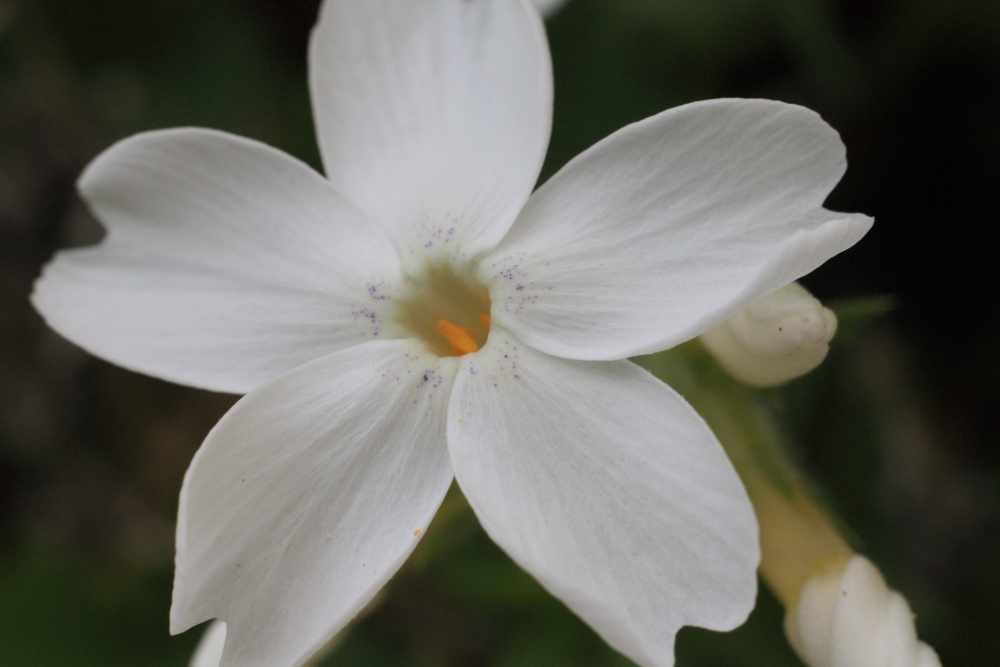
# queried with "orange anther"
point(461, 339)
point(484, 319)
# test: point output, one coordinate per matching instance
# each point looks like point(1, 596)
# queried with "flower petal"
point(226, 263)
point(606, 486)
point(433, 115)
point(308, 496)
point(669, 226)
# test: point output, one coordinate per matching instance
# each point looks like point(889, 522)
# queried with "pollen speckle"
point(416, 532)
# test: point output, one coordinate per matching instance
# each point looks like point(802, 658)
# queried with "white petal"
point(308, 496)
point(669, 226)
point(605, 485)
point(433, 115)
point(209, 650)
point(226, 263)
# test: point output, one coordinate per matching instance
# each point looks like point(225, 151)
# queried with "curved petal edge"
point(308, 496)
point(609, 489)
point(227, 263)
point(669, 226)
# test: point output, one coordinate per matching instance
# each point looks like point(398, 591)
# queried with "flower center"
point(446, 310)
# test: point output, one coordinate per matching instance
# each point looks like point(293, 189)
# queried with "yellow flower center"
point(446, 310)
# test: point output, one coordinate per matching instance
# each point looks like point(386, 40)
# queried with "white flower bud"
point(549, 7)
point(775, 339)
point(846, 616)
point(209, 650)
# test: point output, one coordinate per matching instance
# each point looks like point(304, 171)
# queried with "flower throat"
point(448, 312)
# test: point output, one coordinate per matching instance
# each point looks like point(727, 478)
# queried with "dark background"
point(897, 428)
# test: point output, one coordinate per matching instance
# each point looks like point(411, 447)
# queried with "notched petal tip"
point(227, 263)
point(670, 225)
point(609, 489)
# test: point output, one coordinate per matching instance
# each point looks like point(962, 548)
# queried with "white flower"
point(338, 302)
point(777, 338)
point(846, 616)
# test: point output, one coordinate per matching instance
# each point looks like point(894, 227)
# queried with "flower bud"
point(775, 339)
point(209, 650)
point(846, 616)
point(549, 7)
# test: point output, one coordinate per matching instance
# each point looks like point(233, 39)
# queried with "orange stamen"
point(461, 339)
point(484, 319)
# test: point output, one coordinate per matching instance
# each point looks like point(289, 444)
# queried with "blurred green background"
point(898, 428)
